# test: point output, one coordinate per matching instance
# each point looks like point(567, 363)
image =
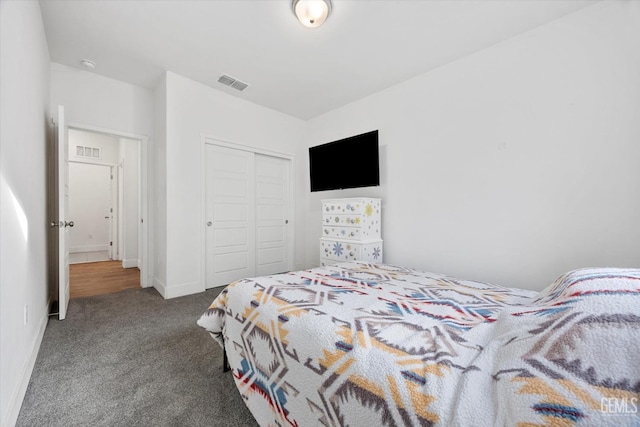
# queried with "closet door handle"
point(209, 224)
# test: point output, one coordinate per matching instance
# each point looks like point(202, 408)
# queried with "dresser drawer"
point(343, 220)
point(360, 205)
point(352, 233)
point(342, 207)
point(340, 250)
point(326, 261)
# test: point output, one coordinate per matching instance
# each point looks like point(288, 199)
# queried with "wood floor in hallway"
point(97, 278)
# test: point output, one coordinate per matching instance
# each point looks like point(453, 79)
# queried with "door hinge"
point(110, 243)
point(111, 210)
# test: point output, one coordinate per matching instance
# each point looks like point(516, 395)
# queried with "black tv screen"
point(347, 163)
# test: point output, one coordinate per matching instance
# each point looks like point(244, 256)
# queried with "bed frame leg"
point(225, 361)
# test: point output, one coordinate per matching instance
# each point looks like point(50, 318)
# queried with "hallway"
point(98, 278)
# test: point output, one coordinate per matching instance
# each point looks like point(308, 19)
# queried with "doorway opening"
point(105, 251)
point(102, 277)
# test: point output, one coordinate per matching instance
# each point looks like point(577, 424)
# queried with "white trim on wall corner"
point(129, 263)
point(18, 396)
point(183, 289)
point(177, 290)
point(160, 287)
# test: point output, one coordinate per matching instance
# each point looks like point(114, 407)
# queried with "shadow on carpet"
point(132, 358)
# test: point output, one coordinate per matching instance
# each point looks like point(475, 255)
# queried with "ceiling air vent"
point(234, 83)
point(239, 85)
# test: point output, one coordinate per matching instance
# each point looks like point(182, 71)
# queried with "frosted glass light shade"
point(311, 13)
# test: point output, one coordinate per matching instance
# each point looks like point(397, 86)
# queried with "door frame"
point(213, 140)
point(143, 193)
point(113, 214)
point(120, 218)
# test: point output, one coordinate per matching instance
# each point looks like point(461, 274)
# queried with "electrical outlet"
point(26, 314)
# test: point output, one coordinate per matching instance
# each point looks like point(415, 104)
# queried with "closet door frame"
point(212, 140)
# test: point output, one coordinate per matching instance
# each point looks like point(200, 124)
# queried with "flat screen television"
point(347, 163)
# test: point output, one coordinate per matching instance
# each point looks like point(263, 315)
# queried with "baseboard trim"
point(160, 287)
point(18, 396)
point(129, 263)
point(148, 283)
point(176, 291)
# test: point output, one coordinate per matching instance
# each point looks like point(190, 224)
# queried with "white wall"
point(109, 147)
point(193, 109)
point(89, 203)
point(514, 164)
point(24, 118)
point(159, 210)
point(92, 99)
point(105, 103)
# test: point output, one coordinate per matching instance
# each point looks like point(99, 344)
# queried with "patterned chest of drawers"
point(351, 230)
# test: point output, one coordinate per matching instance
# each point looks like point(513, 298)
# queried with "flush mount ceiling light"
point(88, 64)
point(311, 13)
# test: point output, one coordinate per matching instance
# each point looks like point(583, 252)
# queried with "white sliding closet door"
point(230, 215)
point(246, 213)
point(272, 210)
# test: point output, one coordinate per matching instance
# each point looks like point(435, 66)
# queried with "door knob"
point(53, 223)
point(69, 224)
point(209, 224)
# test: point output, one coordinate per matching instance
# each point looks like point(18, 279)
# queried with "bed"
point(365, 344)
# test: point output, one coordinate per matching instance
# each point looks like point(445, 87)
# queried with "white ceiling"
point(364, 47)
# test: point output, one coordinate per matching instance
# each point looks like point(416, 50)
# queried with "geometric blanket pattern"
point(365, 344)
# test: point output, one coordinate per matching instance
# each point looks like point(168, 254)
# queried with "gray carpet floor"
point(132, 359)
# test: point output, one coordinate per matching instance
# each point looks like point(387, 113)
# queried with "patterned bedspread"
point(377, 345)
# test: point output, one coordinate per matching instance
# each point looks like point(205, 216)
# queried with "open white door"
point(63, 208)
